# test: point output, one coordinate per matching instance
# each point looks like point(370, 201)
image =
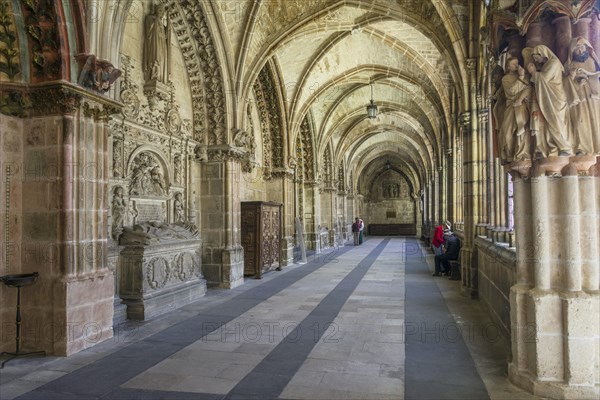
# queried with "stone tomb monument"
point(160, 268)
point(159, 261)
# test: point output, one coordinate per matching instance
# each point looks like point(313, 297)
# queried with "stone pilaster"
point(222, 253)
point(555, 303)
point(312, 214)
point(59, 193)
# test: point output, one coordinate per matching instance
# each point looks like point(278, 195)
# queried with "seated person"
point(452, 245)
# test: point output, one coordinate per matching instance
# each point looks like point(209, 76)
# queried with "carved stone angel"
point(95, 73)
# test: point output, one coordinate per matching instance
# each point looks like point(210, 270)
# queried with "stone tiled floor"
point(365, 322)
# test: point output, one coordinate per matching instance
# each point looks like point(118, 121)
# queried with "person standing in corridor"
point(356, 231)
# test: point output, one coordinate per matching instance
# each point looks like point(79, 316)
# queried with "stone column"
point(350, 208)
point(562, 29)
point(312, 215)
point(595, 31)
point(283, 185)
point(555, 302)
point(473, 186)
point(535, 34)
point(582, 28)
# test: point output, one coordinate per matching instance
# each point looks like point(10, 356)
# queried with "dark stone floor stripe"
point(270, 377)
point(438, 364)
point(102, 377)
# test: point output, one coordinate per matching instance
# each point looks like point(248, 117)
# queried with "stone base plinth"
point(162, 302)
point(232, 268)
point(287, 252)
point(83, 312)
point(555, 343)
point(549, 389)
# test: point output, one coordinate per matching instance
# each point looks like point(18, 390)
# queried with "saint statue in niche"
point(156, 45)
point(178, 209)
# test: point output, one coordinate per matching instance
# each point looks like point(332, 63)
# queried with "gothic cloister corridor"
point(364, 322)
point(177, 176)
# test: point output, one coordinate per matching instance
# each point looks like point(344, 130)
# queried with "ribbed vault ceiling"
point(328, 54)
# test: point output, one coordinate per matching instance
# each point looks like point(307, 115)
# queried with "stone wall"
point(496, 274)
point(389, 201)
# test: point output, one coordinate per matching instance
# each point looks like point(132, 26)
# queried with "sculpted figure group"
point(552, 109)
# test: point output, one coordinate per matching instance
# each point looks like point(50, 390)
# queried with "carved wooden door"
point(261, 237)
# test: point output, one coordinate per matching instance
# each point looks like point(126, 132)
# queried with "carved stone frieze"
point(282, 173)
point(200, 57)
point(553, 166)
point(9, 63)
point(129, 90)
point(222, 153)
point(307, 150)
point(57, 100)
point(99, 112)
point(117, 165)
point(271, 102)
point(264, 123)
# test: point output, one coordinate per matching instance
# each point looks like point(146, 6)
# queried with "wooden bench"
point(455, 268)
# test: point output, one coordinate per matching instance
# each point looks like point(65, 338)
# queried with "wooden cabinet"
point(261, 237)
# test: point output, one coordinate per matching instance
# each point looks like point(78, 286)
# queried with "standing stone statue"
point(119, 210)
point(549, 120)
point(512, 114)
point(156, 45)
point(582, 88)
point(178, 209)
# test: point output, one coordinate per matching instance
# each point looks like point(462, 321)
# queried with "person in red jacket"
point(438, 238)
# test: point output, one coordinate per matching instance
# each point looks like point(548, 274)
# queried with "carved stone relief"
point(147, 176)
point(96, 74)
point(117, 166)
